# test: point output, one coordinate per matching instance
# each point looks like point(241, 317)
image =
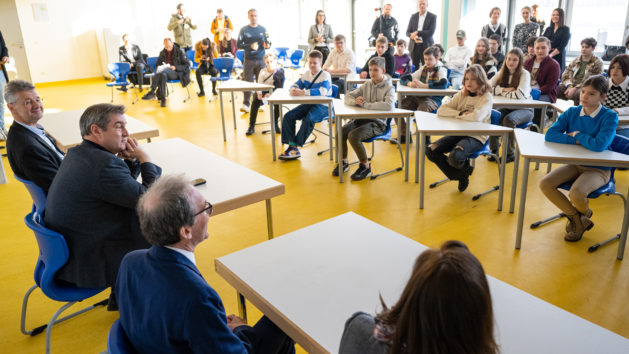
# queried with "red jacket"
point(547, 75)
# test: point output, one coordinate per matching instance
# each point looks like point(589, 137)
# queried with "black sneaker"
point(122, 88)
point(335, 172)
point(162, 102)
point(492, 157)
point(464, 182)
point(214, 93)
point(510, 158)
point(149, 96)
point(201, 94)
point(277, 129)
point(251, 130)
point(361, 173)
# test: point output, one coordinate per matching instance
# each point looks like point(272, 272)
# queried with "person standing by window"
point(385, 26)
point(181, 24)
point(494, 27)
point(320, 35)
point(420, 30)
point(559, 35)
point(524, 31)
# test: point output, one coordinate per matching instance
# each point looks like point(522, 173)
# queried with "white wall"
point(12, 34)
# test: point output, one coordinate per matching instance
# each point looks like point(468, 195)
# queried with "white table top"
point(283, 96)
point(534, 146)
point(435, 125)
point(313, 297)
point(562, 105)
point(409, 91)
point(357, 80)
point(229, 185)
point(240, 85)
point(64, 127)
point(500, 101)
point(341, 110)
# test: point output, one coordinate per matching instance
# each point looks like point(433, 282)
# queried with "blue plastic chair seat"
point(224, 67)
point(384, 136)
point(117, 340)
point(335, 94)
point(119, 71)
point(608, 188)
point(190, 55)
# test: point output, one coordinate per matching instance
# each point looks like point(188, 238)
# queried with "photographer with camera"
point(253, 39)
point(385, 26)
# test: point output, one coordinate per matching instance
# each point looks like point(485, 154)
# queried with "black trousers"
point(137, 78)
point(458, 148)
point(255, 105)
point(160, 80)
point(325, 51)
point(418, 54)
point(206, 69)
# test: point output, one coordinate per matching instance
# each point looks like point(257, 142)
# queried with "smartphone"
point(198, 182)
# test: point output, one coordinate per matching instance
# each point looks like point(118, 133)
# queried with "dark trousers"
point(251, 68)
point(510, 118)
point(137, 77)
point(206, 69)
point(268, 338)
point(358, 130)
point(159, 82)
point(418, 54)
point(340, 83)
point(458, 148)
point(325, 51)
point(308, 114)
point(538, 111)
point(255, 105)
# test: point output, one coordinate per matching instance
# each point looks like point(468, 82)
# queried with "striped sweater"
point(321, 87)
point(521, 93)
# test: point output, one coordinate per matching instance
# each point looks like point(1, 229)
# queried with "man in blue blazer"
point(421, 28)
point(33, 154)
point(165, 304)
point(91, 201)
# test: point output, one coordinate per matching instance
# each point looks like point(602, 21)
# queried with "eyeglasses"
point(208, 209)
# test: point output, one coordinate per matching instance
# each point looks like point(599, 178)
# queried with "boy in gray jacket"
point(377, 93)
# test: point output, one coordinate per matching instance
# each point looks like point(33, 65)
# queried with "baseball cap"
point(460, 34)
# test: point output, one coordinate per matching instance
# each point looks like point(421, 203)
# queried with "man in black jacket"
point(385, 26)
point(131, 53)
point(32, 153)
point(92, 199)
point(4, 78)
point(421, 28)
point(172, 64)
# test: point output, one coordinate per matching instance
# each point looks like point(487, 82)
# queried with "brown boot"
point(570, 225)
point(581, 224)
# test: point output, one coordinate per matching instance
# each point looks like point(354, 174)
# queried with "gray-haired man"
point(92, 199)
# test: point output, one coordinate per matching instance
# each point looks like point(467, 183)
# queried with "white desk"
point(283, 96)
point(64, 127)
point(431, 124)
point(356, 80)
point(237, 86)
point(534, 148)
point(343, 111)
point(344, 77)
point(511, 103)
point(311, 299)
point(403, 91)
point(229, 185)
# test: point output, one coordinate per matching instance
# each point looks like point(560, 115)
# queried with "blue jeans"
point(457, 161)
point(456, 78)
point(510, 118)
point(308, 114)
point(2, 83)
point(624, 132)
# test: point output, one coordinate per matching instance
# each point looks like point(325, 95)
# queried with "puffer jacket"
point(181, 31)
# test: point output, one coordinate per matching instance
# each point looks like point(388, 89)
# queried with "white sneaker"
point(244, 108)
point(261, 109)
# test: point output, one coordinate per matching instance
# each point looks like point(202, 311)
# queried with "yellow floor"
point(592, 286)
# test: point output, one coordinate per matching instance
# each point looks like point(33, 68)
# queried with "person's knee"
point(457, 157)
point(546, 185)
point(578, 196)
point(430, 152)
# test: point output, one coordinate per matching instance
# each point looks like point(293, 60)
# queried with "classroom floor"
point(592, 286)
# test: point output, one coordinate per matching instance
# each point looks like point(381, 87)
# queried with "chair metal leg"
point(537, 224)
point(188, 91)
point(23, 319)
point(617, 236)
point(395, 169)
point(112, 95)
point(435, 184)
point(492, 189)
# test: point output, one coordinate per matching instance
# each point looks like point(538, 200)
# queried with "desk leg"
point(408, 149)
point(339, 146)
point(422, 165)
point(623, 233)
point(514, 181)
point(269, 219)
point(234, 109)
point(525, 180)
point(222, 116)
point(273, 128)
point(542, 122)
point(503, 169)
point(3, 176)
point(417, 147)
point(330, 130)
point(242, 307)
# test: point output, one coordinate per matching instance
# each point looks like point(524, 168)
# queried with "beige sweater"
point(479, 105)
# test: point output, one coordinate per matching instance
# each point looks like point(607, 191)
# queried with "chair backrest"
point(297, 56)
point(358, 69)
point(117, 340)
point(190, 55)
point(335, 91)
point(281, 53)
point(53, 250)
point(152, 63)
point(119, 71)
point(535, 93)
point(240, 54)
point(37, 194)
point(224, 66)
point(495, 117)
point(620, 144)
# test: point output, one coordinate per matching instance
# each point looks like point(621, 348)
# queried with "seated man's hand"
point(363, 74)
point(297, 92)
point(574, 133)
point(359, 101)
point(172, 67)
point(134, 151)
point(414, 84)
point(422, 85)
point(234, 321)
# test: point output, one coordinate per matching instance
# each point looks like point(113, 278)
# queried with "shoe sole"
point(345, 170)
point(287, 158)
point(360, 179)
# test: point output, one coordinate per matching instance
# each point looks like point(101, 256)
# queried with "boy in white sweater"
point(457, 58)
point(472, 103)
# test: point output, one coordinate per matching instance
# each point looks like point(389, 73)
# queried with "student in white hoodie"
point(472, 103)
point(457, 58)
point(377, 93)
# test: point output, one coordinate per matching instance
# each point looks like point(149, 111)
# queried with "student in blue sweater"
point(594, 127)
point(314, 82)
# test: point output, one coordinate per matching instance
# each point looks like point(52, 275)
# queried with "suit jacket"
point(180, 62)
point(167, 307)
point(427, 31)
point(136, 54)
point(32, 158)
point(91, 203)
point(4, 52)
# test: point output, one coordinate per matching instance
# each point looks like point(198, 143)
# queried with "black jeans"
point(206, 69)
point(138, 78)
point(255, 105)
point(160, 80)
point(268, 338)
point(458, 148)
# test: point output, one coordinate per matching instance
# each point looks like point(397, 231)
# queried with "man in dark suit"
point(165, 304)
point(131, 53)
point(421, 28)
point(33, 154)
point(172, 64)
point(92, 199)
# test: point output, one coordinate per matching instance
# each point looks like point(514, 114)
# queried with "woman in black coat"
point(559, 35)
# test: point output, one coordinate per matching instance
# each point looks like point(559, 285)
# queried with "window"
point(602, 19)
point(475, 15)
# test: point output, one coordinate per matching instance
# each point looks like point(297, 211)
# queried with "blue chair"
point(37, 194)
point(190, 55)
point(224, 67)
point(295, 58)
point(152, 63)
point(335, 94)
point(535, 93)
point(53, 254)
point(620, 144)
point(281, 53)
point(119, 72)
point(358, 70)
point(117, 340)
point(240, 55)
point(386, 136)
